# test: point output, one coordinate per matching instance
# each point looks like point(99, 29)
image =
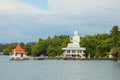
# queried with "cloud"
point(77, 7)
point(17, 6)
point(21, 21)
point(71, 7)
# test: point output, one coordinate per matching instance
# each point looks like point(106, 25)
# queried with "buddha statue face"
point(75, 33)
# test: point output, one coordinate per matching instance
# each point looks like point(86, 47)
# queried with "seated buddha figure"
point(75, 40)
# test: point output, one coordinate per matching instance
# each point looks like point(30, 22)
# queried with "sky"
point(29, 20)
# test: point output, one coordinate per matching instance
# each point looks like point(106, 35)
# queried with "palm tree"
point(115, 33)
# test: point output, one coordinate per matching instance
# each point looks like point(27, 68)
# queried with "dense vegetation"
point(6, 48)
point(50, 46)
point(98, 45)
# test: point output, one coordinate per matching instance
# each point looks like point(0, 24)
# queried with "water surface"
point(58, 70)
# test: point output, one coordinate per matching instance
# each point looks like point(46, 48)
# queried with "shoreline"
point(50, 58)
point(62, 58)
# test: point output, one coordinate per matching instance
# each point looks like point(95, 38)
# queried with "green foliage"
point(97, 45)
point(50, 46)
point(3, 46)
point(9, 48)
point(54, 51)
point(34, 50)
point(56, 44)
point(115, 35)
point(29, 47)
point(40, 48)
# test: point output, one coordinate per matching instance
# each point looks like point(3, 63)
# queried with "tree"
point(50, 46)
point(9, 48)
point(97, 45)
point(54, 51)
point(29, 47)
point(3, 46)
point(40, 47)
point(115, 33)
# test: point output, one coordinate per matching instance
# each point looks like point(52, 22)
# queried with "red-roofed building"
point(18, 53)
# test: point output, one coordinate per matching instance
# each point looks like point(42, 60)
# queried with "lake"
point(58, 69)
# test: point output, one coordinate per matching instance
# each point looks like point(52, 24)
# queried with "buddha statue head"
point(75, 33)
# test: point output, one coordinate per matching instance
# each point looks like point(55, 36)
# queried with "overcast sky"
point(29, 20)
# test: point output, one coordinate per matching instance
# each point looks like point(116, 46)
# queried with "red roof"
point(111, 52)
point(18, 50)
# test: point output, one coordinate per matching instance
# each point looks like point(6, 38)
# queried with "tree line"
point(98, 45)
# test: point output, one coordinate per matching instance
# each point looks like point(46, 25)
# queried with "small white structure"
point(89, 56)
point(73, 49)
point(18, 54)
point(110, 54)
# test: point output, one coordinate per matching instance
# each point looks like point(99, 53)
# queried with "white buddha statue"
point(75, 40)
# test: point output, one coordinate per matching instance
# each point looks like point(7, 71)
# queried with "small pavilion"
point(18, 53)
point(73, 49)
